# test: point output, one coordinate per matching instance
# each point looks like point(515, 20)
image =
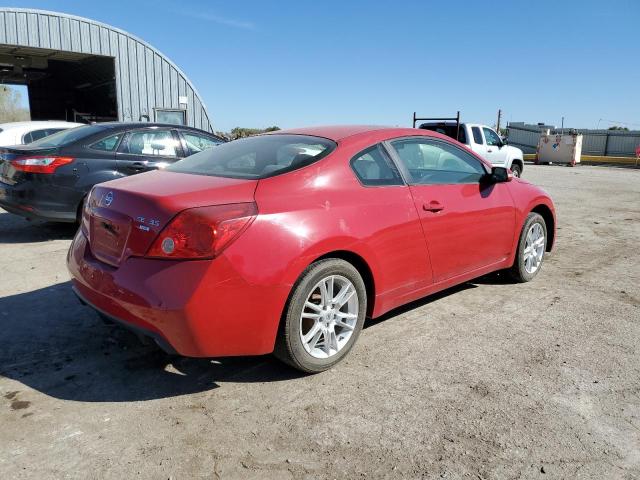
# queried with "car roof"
point(126, 125)
point(39, 123)
point(332, 132)
point(341, 132)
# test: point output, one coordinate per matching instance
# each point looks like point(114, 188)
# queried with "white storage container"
point(557, 148)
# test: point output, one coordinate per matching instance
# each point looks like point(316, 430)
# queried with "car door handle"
point(137, 166)
point(433, 206)
point(489, 151)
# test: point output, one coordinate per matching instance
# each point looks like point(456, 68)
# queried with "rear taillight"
point(86, 213)
point(40, 164)
point(203, 232)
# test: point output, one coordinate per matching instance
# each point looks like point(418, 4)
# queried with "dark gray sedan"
point(49, 178)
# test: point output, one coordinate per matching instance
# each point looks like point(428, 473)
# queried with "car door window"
point(477, 135)
point(374, 168)
point(27, 138)
point(107, 144)
point(159, 143)
point(434, 162)
point(491, 137)
point(197, 143)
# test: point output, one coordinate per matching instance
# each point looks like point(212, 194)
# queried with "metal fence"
point(614, 143)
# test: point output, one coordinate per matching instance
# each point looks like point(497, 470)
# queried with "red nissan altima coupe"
point(285, 242)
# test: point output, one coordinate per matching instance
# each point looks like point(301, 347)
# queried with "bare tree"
point(10, 108)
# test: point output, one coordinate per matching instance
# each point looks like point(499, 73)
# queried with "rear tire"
point(531, 249)
point(323, 317)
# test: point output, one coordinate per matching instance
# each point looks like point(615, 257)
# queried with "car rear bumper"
point(199, 308)
point(45, 202)
point(158, 339)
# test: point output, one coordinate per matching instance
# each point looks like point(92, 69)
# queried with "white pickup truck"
point(481, 139)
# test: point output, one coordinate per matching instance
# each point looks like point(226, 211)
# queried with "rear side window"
point(374, 168)
point(477, 136)
point(256, 157)
point(108, 144)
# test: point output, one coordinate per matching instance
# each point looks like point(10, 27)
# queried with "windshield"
point(65, 137)
point(256, 157)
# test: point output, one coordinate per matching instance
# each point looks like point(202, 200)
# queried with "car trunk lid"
point(125, 216)
point(8, 173)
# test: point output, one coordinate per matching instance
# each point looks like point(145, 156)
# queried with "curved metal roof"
point(145, 78)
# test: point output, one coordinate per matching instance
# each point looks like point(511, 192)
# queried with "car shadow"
point(495, 278)
point(16, 229)
point(58, 347)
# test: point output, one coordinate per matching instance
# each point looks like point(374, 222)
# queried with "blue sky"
point(295, 63)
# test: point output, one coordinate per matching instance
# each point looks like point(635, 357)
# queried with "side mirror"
point(498, 175)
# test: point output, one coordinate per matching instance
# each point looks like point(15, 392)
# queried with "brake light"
point(86, 213)
point(203, 232)
point(40, 164)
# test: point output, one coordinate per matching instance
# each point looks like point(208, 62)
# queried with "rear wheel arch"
point(363, 268)
point(518, 163)
point(358, 262)
point(545, 212)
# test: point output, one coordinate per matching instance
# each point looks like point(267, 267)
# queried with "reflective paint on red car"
point(232, 303)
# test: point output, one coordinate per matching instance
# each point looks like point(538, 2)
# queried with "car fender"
point(324, 248)
point(294, 248)
point(513, 154)
point(88, 180)
point(527, 198)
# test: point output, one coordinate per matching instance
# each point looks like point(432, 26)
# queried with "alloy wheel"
point(534, 248)
point(329, 316)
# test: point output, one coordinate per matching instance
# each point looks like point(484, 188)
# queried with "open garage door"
point(62, 85)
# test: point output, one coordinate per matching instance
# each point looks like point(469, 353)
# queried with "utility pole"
point(498, 124)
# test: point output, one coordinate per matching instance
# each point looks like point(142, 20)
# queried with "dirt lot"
point(488, 380)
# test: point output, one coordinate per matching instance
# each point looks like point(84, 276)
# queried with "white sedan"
point(20, 133)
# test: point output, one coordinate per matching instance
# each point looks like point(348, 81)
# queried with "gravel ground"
point(487, 380)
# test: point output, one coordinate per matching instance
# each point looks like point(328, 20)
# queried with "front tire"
point(516, 169)
point(531, 249)
point(324, 316)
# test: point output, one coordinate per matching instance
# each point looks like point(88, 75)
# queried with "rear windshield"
point(256, 157)
point(68, 136)
point(448, 129)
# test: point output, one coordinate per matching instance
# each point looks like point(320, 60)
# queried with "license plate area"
point(109, 232)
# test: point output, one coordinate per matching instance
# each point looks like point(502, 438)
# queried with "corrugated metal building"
point(79, 69)
point(594, 142)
